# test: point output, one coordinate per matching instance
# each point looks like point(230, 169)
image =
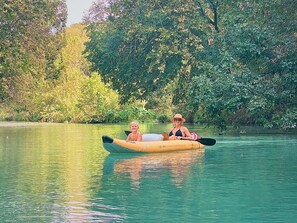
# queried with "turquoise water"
point(61, 173)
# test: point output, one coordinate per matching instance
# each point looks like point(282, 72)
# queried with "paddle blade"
point(207, 141)
point(127, 132)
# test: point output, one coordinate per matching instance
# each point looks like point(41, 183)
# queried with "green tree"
point(143, 46)
point(31, 39)
point(78, 95)
point(229, 62)
point(253, 81)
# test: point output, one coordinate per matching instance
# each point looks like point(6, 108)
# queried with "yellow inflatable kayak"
point(121, 146)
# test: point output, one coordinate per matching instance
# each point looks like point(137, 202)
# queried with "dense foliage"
point(74, 95)
point(218, 62)
point(228, 62)
point(30, 38)
point(31, 41)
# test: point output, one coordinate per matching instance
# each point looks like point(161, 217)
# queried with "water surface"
point(61, 173)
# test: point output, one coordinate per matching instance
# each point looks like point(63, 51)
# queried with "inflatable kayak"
point(114, 145)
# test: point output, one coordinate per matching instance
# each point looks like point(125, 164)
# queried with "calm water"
point(61, 173)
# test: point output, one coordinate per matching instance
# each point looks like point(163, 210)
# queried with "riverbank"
point(239, 130)
point(23, 124)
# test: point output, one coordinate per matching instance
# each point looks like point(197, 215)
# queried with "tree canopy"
point(31, 40)
point(229, 62)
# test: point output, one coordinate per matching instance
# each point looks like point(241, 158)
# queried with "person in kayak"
point(179, 131)
point(135, 135)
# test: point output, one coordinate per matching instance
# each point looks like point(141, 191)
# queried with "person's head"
point(134, 125)
point(177, 119)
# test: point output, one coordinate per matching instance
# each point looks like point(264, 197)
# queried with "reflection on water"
point(149, 180)
point(45, 171)
point(177, 163)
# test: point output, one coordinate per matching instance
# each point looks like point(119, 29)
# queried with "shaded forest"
point(216, 62)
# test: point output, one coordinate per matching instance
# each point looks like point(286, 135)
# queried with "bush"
point(111, 117)
point(163, 118)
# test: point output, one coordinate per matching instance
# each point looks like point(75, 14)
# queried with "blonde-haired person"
point(179, 131)
point(135, 135)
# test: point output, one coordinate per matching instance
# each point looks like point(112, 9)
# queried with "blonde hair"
point(135, 123)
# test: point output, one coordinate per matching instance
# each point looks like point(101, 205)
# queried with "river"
point(61, 173)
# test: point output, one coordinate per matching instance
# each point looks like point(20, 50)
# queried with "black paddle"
point(204, 141)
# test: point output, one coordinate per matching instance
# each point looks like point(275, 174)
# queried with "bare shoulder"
point(184, 128)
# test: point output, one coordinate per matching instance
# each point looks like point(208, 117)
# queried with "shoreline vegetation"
point(230, 130)
point(228, 64)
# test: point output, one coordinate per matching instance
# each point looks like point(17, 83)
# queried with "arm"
point(187, 133)
point(128, 138)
